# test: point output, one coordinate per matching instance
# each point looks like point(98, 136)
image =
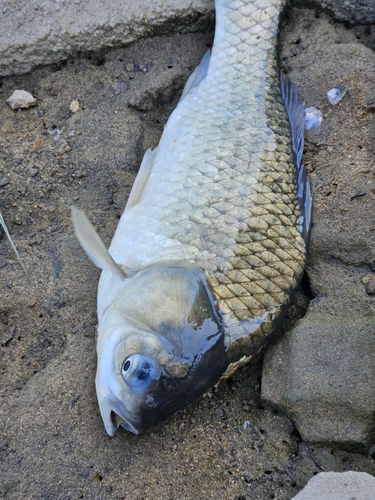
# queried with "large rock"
point(339, 485)
point(34, 33)
point(322, 374)
point(356, 11)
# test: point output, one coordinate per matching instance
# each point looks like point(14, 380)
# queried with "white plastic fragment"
point(245, 424)
point(313, 118)
point(336, 94)
point(21, 99)
point(55, 132)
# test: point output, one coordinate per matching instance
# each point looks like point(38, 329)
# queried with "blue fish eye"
point(137, 370)
point(150, 401)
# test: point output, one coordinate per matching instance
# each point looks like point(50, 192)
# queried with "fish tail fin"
point(296, 112)
point(92, 243)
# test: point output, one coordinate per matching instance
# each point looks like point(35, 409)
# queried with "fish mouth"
point(115, 415)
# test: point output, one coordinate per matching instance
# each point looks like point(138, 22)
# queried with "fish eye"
point(137, 370)
point(150, 401)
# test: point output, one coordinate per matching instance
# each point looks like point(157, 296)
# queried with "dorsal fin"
point(293, 103)
point(149, 158)
point(197, 75)
point(92, 243)
point(142, 178)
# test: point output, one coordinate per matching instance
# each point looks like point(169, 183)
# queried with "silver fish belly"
point(212, 243)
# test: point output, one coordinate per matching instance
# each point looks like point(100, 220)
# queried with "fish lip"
point(115, 415)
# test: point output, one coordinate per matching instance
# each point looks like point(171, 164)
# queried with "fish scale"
point(222, 192)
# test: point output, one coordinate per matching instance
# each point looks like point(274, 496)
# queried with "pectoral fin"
point(92, 243)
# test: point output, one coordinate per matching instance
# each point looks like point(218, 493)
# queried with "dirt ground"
point(52, 442)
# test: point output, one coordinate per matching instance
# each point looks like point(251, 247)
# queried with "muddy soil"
point(53, 444)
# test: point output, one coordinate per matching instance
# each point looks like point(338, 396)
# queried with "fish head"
point(158, 360)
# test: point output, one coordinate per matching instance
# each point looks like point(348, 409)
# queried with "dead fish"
point(212, 243)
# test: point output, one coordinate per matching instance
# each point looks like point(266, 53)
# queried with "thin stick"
point(2, 222)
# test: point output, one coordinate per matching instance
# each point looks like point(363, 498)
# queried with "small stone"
point(4, 181)
point(219, 413)
point(32, 302)
point(370, 287)
point(21, 99)
point(74, 106)
point(18, 219)
point(367, 278)
point(32, 171)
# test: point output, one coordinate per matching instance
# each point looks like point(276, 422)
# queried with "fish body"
point(212, 243)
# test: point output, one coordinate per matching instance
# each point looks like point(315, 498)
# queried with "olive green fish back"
point(260, 180)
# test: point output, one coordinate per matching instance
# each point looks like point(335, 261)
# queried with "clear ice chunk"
point(313, 118)
point(336, 94)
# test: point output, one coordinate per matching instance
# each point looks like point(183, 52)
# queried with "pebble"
point(74, 106)
point(370, 286)
point(18, 219)
point(367, 278)
point(219, 413)
point(32, 171)
point(21, 99)
point(4, 181)
point(32, 303)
